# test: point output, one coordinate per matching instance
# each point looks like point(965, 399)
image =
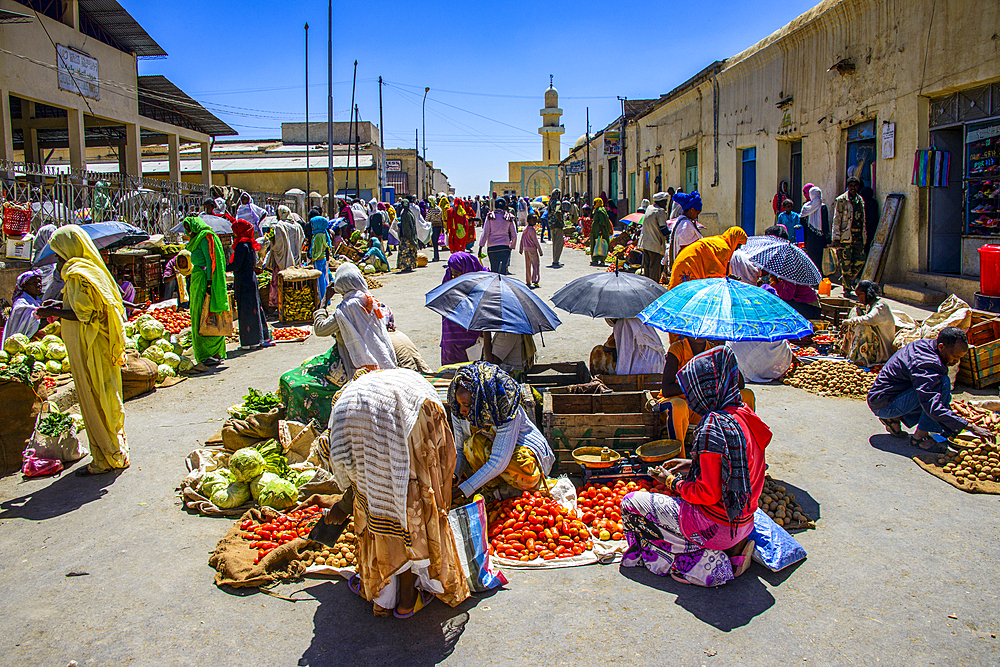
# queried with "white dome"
point(552, 98)
point(582, 141)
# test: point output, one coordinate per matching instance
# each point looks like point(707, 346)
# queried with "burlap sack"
point(138, 375)
point(240, 433)
point(21, 404)
point(929, 463)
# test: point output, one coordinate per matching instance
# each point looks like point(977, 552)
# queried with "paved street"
point(902, 568)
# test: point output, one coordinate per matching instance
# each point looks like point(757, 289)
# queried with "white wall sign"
point(888, 141)
point(394, 165)
point(77, 72)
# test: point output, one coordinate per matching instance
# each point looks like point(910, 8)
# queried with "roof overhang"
point(161, 100)
point(110, 17)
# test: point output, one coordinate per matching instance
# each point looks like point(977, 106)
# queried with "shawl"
point(812, 210)
point(23, 279)
point(243, 231)
point(741, 267)
point(361, 322)
point(251, 213)
point(199, 231)
point(370, 426)
point(23, 306)
point(711, 384)
point(407, 226)
point(496, 396)
point(707, 258)
point(460, 263)
point(639, 347)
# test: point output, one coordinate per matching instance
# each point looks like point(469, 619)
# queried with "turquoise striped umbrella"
point(725, 309)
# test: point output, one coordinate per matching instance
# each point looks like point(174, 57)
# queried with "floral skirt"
point(407, 257)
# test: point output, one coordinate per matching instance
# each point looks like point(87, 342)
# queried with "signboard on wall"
point(394, 165)
point(577, 167)
point(77, 72)
point(612, 143)
point(888, 141)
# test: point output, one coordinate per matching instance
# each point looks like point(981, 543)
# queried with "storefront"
point(962, 172)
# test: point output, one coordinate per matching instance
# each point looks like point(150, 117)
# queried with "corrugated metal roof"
point(240, 164)
point(7, 16)
point(161, 100)
point(119, 24)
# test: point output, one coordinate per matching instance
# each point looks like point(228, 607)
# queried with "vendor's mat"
point(929, 462)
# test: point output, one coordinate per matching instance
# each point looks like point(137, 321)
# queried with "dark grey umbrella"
point(218, 225)
point(483, 301)
point(613, 294)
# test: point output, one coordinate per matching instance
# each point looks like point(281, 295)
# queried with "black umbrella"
point(218, 225)
point(612, 294)
point(483, 301)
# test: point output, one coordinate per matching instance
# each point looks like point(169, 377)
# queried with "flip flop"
point(420, 604)
point(894, 427)
point(679, 579)
point(354, 583)
point(932, 445)
point(742, 562)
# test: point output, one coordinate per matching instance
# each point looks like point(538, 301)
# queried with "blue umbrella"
point(483, 301)
point(725, 309)
point(103, 234)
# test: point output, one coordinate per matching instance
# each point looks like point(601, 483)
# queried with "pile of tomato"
point(289, 333)
point(533, 526)
point(265, 537)
point(805, 351)
point(601, 505)
point(172, 319)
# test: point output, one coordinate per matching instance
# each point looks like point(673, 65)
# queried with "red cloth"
point(706, 491)
point(243, 231)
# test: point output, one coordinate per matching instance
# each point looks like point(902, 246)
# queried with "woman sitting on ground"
point(499, 448)
point(699, 533)
point(26, 300)
point(869, 329)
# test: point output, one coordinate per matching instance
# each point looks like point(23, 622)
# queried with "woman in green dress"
point(600, 234)
point(208, 279)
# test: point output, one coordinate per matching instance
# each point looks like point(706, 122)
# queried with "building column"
point(7, 132)
point(71, 13)
point(77, 139)
point(29, 133)
point(174, 156)
point(206, 164)
point(133, 150)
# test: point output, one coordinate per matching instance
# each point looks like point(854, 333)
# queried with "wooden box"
point(835, 309)
point(618, 421)
point(985, 328)
point(980, 367)
point(648, 382)
point(546, 376)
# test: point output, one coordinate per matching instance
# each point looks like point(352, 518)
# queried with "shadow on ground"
point(347, 633)
point(65, 494)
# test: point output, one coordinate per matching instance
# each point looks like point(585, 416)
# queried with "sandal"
point(894, 427)
point(742, 562)
point(679, 579)
point(928, 445)
point(354, 583)
point(420, 604)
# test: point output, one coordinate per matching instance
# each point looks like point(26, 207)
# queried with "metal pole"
point(423, 126)
point(416, 159)
point(590, 186)
point(307, 113)
point(347, 175)
point(357, 146)
point(621, 156)
point(330, 186)
point(381, 143)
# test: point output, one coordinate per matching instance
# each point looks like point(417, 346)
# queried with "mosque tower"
point(551, 129)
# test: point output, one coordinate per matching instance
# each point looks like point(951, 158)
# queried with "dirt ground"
point(902, 568)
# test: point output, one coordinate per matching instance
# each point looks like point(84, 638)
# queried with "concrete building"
point(531, 179)
point(851, 87)
point(68, 79)
point(405, 170)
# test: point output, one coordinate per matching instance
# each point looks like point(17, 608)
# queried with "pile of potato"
point(980, 462)
point(342, 554)
point(781, 506)
point(832, 378)
point(372, 283)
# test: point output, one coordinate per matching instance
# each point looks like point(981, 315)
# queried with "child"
point(531, 250)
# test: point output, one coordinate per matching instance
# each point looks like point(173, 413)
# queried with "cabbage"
point(172, 360)
point(131, 330)
point(164, 345)
point(141, 344)
point(4, 357)
point(53, 367)
point(36, 349)
point(369, 269)
point(145, 317)
point(17, 359)
point(246, 464)
point(231, 496)
point(50, 339)
point(15, 344)
point(258, 484)
point(151, 329)
point(185, 365)
point(215, 480)
point(130, 343)
point(154, 354)
point(163, 371)
point(64, 365)
point(56, 351)
point(278, 494)
point(304, 477)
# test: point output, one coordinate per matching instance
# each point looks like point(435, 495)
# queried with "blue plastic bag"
point(775, 549)
point(468, 524)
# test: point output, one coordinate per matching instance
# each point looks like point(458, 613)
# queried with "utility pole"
point(416, 159)
point(590, 184)
point(347, 174)
point(423, 121)
point(357, 147)
point(330, 186)
point(307, 113)
point(621, 154)
point(381, 143)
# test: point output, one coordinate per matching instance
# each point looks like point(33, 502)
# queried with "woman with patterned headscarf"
point(698, 532)
point(93, 321)
point(208, 281)
point(600, 234)
point(27, 298)
point(496, 441)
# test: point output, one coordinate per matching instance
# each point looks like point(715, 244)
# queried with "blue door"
point(748, 194)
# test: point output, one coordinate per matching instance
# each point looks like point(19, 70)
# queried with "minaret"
point(551, 129)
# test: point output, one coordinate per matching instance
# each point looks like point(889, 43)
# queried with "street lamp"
point(423, 123)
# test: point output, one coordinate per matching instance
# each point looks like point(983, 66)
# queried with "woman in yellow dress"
point(93, 320)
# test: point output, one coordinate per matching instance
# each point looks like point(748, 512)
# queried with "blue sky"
point(487, 64)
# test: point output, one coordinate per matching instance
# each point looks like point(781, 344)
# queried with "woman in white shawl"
point(250, 212)
point(817, 223)
point(640, 350)
point(358, 323)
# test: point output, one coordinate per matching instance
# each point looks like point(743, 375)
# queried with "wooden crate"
point(546, 376)
point(985, 328)
point(618, 421)
point(980, 367)
point(288, 287)
point(835, 309)
point(648, 382)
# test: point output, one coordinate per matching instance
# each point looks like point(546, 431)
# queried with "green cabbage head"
point(231, 496)
point(279, 494)
point(15, 344)
point(246, 464)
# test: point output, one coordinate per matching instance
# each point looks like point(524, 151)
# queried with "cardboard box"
point(19, 249)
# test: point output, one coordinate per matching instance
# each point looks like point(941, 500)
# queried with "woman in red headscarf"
point(254, 331)
point(458, 226)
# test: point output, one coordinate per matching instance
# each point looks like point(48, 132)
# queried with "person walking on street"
point(556, 226)
point(849, 233)
point(600, 234)
point(815, 220)
point(406, 260)
point(532, 251)
point(500, 237)
point(435, 217)
point(651, 239)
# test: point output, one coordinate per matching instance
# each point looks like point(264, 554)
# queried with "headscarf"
point(711, 384)
point(741, 267)
point(461, 263)
point(812, 210)
point(598, 202)
point(243, 231)
point(85, 267)
point(183, 263)
point(496, 396)
point(707, 258)
point(688, 200)
point(644, 205)
point(284, 213)
point(443, 204)
point(349, 278)
point(22, 280)
point(220, 207)
point(362, 321)
point(321, 226)
point(199, 231)
point(250, 212)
